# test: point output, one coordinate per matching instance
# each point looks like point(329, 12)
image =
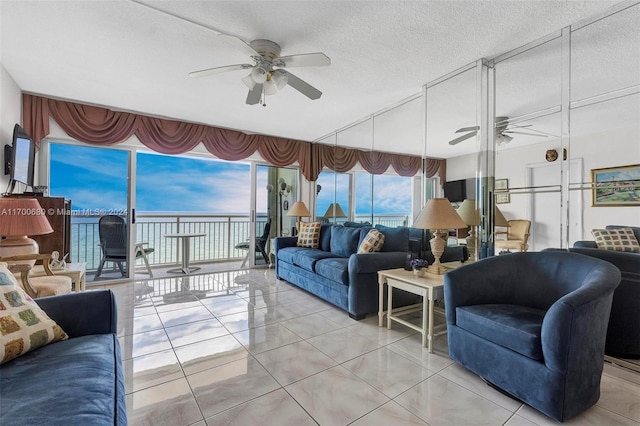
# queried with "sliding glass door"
point(97, 181)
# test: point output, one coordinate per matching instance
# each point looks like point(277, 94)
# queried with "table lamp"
point(333, 211)
point(438, 214)
point(21, 217)
point(500, 220)
point(300, 210)
point(471, 216)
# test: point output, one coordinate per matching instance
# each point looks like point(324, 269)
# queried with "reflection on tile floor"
point(243, 348)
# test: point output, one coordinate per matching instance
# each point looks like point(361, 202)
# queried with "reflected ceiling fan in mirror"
point(503, 132)
point(268, 74)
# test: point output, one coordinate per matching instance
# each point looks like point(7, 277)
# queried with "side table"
point(427, 286)
point(76, 271)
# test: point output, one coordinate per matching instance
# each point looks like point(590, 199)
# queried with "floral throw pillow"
point(309, 234)
point(24, 326)
point(619, 239)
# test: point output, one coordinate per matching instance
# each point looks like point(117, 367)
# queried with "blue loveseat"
point(534, 325)
point(623, 334)
point(339, 275)
point(78, 381)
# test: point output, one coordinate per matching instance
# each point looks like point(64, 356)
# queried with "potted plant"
point(419, 267)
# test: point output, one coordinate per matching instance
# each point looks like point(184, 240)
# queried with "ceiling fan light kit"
point(267, 76)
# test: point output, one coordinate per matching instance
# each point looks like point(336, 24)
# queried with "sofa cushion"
point(619, 239)
point(511, 326)
point(24, 326)
point(325, 236)
point(335, 269)
point(372, 242)
point(344, 241)
point(306, 259)
point(309, 235)
point(395, 239)
point(76, 381)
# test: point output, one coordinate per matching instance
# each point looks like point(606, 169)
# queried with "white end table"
point(427, 286)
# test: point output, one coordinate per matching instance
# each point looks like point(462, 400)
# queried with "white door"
point(545, 206)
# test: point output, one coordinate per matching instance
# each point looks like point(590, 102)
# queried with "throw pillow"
point(372, 242)
point(621, 239)
point(24, 326)
point(309, 235)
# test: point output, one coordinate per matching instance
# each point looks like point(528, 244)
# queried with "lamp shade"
point(21, 217)
point(438, 213)
point(334, 210)
point(500, 220)
point(469, 213)
point(299, 209)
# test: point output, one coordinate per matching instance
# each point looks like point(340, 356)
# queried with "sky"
point(95, 179)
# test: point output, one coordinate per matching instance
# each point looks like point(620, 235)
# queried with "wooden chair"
point(48, 285)
point(517, 236)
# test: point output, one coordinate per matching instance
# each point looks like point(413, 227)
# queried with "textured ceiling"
point(135, 56)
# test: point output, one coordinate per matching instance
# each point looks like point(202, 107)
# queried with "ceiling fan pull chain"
point(264, 97)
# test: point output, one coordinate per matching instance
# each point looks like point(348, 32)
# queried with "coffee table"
point(429, 286)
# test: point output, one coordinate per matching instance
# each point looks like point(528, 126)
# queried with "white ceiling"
point(135, 55)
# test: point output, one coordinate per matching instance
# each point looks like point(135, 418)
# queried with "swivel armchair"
point(534, 325)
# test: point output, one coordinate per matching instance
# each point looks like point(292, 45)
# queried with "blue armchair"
point(534, 325)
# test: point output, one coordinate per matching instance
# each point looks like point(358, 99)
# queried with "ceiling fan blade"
point(467, 129)
point(462, 138)
point(240, 45)
point(303, 87)
point(254, 95)
point(304, 60)
point(523, 133)
point(217, 70)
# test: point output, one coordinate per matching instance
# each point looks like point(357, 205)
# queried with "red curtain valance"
point(102, 126)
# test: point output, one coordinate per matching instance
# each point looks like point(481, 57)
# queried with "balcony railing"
point(222, 233)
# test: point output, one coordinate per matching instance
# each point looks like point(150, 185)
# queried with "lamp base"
point(438, 269)
point(16, 246)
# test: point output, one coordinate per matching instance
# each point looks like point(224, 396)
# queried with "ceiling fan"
point(267, 74)
point(502, 132)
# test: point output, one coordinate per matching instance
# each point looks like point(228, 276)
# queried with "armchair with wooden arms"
point(517, 236)
point(48, 285)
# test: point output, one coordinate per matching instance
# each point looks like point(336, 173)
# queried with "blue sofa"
point(336, 273)
point(623, 335)
point(78, 381)
point(534, 325)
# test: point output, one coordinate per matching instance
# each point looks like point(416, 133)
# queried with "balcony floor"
point(109, 274)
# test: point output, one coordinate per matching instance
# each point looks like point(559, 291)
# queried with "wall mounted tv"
point(20, 157)
point(455, 190)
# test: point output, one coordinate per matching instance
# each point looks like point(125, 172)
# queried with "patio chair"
point(113, 243)
point(261, 244)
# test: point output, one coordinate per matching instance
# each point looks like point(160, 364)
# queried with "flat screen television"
point(455, 190)
point(22, 157)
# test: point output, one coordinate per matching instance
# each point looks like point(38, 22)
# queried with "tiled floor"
point(243, 348)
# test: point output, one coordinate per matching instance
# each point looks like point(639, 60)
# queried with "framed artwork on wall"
point(503, 198)
point(502, 184)
point(615, 186)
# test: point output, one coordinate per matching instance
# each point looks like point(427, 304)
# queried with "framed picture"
point(502, 184)
point(503, 198)
point(615, 186)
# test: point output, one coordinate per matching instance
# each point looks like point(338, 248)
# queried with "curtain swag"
point(102, 126)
